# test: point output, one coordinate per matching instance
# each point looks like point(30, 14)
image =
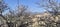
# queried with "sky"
point(32, 6)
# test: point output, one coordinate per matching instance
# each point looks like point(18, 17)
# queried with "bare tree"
point(11, 18)
point(20, 16)
point(52, 7)
point(3, 7)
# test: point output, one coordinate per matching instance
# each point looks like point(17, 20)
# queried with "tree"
point(12, 18)
point(3, 7)
point(20, 17)
point(52, 7)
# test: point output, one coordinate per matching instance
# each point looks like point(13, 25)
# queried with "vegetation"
point(23, 18)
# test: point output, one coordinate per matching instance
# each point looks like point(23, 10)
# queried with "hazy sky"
point(30, 3)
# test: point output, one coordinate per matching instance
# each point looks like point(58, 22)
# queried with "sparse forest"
point(22, 17)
